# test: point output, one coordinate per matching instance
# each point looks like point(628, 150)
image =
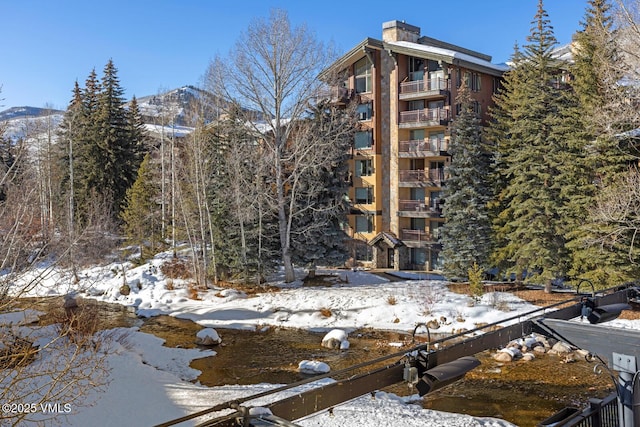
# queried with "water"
point(523, 393)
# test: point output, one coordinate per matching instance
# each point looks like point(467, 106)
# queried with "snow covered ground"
point(150, 384)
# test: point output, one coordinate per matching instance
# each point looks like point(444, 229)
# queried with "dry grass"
point(192, 292)
point(391, 300)
point(176, 268)
point(18, 352)
point(325, 312)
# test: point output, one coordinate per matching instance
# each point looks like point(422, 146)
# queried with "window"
point(416, 135)
point(496, 85)
point(418, 256)
point(364, 111)
point(362, 71)
point(417, 194)
point(364, 195)
point(416, 105)
point(364, 167)
point(364, 140)
point(435, 199)
point(416, 68)
point(477, 108)
point(364, 224)
point(436, 141)
point(434, 229)
point(472, 80)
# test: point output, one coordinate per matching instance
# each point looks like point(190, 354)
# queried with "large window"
point(364, 140)
point(416, 135)
point(364, 167)
point(472, 80)
point(364, 195)
point(364, 223)
point(362, 71)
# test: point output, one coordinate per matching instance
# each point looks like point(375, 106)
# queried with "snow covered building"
point(405, 86)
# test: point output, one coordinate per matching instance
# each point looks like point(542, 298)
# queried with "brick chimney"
point(395, 31)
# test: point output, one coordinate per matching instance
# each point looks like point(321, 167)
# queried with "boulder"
point(313, 367)
point(336, 339)
point(503, 356)
point(208, 336)
point(561, 348)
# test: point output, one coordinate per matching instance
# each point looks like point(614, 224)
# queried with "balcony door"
point(417, 194)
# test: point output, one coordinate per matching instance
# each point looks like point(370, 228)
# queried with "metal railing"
point(435, 176)
point(600, 413)
point(416, 236)
point(419, 206)
point(434, 145)
point(431, 85)
point(426, 115)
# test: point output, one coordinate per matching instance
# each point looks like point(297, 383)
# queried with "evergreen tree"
point(120, 153)
point(141, 213)
point(466, 235)
point(104, 143)
point(319, 237)
point(539, 153)
point(597, 74)
point(245, 241)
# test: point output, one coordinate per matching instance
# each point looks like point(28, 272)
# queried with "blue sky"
point(162, 44)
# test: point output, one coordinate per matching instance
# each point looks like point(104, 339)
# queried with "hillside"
point(171, 112)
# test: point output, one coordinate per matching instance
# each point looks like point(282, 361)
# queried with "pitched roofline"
point(353, 55)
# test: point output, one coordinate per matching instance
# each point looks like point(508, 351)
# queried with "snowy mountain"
point(26, 112)
point(30, 122)
point(179, 107)
point(171, 112)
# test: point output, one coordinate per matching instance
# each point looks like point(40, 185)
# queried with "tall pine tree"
point(103, 147)
point(466, 235)
point(538, 155)
point(597, 73)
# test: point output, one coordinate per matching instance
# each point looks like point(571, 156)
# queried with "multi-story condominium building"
point(405, 86)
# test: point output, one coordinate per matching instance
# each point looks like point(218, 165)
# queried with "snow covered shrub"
point(391, 300)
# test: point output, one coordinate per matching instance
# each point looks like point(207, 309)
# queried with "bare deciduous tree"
point(40, 364)
point(273, 74)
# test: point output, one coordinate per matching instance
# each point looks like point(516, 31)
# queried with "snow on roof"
point(451, 53)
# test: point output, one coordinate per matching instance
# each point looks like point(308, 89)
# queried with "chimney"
point(396, 31)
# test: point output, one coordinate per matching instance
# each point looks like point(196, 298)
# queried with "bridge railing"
point(599, 413)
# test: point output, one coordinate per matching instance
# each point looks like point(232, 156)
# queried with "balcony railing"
point(435, 176)
point(336, 95)
point(434, 145)
point(434, 86)
point(416, 236)
point(429, 116)
point(420, 207)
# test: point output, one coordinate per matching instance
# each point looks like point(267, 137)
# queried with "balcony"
point(424, 118)
point(416, 236)
point(421, 178)
point(417, 209)
point(419, 89)
point(423, 147)
point(336, 95)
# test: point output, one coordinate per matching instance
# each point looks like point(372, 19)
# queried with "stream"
point(524, 393)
